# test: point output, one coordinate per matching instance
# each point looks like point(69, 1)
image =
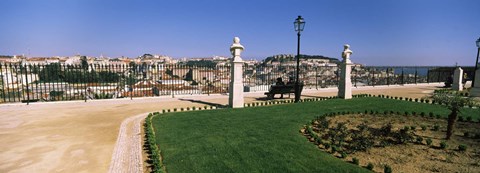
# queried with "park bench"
point(281, 89)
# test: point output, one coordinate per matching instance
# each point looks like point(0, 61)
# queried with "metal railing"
point(58, 82)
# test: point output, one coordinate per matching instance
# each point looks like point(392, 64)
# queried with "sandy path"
point(80, 137)
point(69, 136)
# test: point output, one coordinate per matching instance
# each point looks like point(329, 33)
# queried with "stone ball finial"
point(236, 40)
point(236, 49)
point(346, 53)
point(236, 44)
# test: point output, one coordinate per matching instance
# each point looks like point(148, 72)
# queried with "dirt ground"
point(420, 158)
point(79, 137)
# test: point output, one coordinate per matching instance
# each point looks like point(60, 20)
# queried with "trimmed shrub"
point(153, 150)
point(327, 146)
point(438, 116)
point(343, 154)
point(429, 141)
point(422, 114)
point(403, 136)
point(443, 145)
point(462, 147)
point(469, 119)
point(369, 166)
point(334, 149)
point(318, 140)
point(385, 130)
point(355, 161)
point(419, 139)
point(387, 169)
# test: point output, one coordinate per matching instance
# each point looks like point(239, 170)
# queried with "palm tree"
point(453, 102)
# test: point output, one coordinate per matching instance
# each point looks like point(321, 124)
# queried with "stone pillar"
point(457, 79)
point(345, 83)
point(475, 91)
point(235, 99)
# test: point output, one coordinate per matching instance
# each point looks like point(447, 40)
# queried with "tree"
point(189, 75)
point(201, 63)
point(169, 72)
point(453, 102)
point(84, 62)
point(51, 73)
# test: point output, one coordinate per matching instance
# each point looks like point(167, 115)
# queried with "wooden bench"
point(281, 89)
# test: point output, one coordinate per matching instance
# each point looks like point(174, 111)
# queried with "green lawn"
point(261, 139)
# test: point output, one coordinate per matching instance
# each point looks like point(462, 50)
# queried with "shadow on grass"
point(314, 96)
point(286, 96)
point(204, 102)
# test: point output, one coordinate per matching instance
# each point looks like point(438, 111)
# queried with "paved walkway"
point(127, 154)
point(81, 137)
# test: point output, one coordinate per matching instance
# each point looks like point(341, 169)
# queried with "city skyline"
point(380, 32)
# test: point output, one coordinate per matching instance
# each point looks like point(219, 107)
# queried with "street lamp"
point(299, 24)
point(476, 62)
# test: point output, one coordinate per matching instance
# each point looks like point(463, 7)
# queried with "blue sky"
point(380, 32)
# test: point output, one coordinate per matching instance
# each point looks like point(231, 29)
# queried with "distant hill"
point(290, 57)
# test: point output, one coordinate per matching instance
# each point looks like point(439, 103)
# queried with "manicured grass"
point(261, 139)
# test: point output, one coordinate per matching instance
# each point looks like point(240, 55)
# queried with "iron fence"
point(59, 82)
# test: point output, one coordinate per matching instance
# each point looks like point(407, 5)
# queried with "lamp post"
point(476, 62)
point(299, 24)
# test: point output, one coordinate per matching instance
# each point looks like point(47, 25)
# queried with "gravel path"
point(127, 154)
